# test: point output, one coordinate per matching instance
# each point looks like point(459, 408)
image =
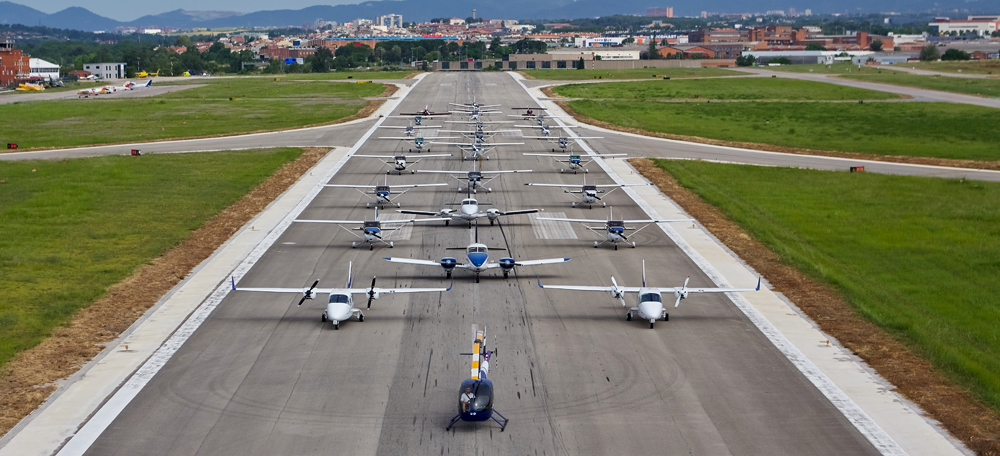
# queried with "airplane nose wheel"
point(628, 316)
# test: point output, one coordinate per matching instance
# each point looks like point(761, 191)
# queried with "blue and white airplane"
point(613, 230)
point(340, 306)
point(575, 162)
point(589, 194)
point(399, 162)
point(411, 130)
point(418, 142)
point(373, 231)
point(478, 261)
point(383, 193)
point(649, 302)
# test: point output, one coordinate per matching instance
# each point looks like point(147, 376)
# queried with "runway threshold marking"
point(99, 422)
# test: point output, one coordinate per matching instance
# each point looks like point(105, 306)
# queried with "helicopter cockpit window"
point(475, 396)
point(339, 298)
point(647, 297)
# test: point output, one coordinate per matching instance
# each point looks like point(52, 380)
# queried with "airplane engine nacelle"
point(493, 214)
point(374, 295)
point(507, 263)
point(449, 263)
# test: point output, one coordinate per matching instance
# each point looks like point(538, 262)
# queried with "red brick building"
point(14, 64)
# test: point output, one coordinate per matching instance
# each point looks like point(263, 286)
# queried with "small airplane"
point(475, 396)
point(589, 193)
point(574, 161)
point(477, 149)
point(373, 230)
point(479, 134)
point(382, 192)
point(474, 104)
point(475, 178)
point(614, 229)
point(529, 113)
point(564, 142)
point(340, 306)
point(469, 211)
point(30, 87)
point(399, 161)
point(426, 112)
point(649, 303)
point(95, 91)
point(539, 118)
point(411, 130)
point(478, 261)
point(418, 142)
point(545, 130)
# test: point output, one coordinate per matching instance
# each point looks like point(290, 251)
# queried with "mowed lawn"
point(639, 73)
point(750, 88)
point(259, 104)
point(917, 256)
point(72, 228)
point(971, 86)
point(943, 130)
point(836, 68)
point(953, 66)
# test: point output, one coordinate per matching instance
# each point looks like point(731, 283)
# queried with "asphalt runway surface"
point(264, 376)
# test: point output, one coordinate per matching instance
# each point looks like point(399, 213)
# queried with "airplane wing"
point(538, 262)
point(552, 185)
point(397, 290)
point(707, 290)
point(484, 122)
point(436, 219)
point(619, 185)
point(419, 213)
point(501, 144)
point(287, 290)
point(420, 185)
point(552, 155)
point(658, 221)
point(350, 186)
point(572, 220)
point(508, 171)
point(592, 288)
point(338, 222)
point(452, 144)
point(413, 138)
point(415, 127)
point(376, 156)
point(415, 261)
point(522, 211)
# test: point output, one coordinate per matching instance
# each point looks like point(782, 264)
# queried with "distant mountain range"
point(77, 18)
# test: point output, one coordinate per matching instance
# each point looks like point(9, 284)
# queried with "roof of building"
point(39, 63)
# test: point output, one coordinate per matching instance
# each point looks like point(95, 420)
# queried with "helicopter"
point(475, 396)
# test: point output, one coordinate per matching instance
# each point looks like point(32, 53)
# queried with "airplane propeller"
point(617, 292)
point(682, 293)
point(371, 293)
point(308, 294)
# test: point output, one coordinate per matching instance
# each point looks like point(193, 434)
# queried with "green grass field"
point(917, 256)
point(70, 86)
point(836, 68)
point(343, 75)
point(259, 105)
point(953, 66)
point(970, 86)
point(721, 89)
point(639, 73)
point(943, 130)
point(75, 227)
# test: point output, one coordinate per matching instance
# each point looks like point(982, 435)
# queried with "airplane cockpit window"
point(475, 174)
point(382, 188)
point(647, 297)
point(339, 298)
point(475, 249)
point(371, 224)
point(475, 396)
point(468, 201)
point(616, 224)
point(590, 187)
point(400, 158)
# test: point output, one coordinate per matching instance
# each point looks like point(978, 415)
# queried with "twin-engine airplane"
point(589, 194)
point(477, 256)
point(475, 179)
point(614, 230)
point(475, 396)
point(469, 211)
point(649, 303)
point(340, 306)
point(574, 163)
point(399, 162)
point(383, 193)
point(373, 231)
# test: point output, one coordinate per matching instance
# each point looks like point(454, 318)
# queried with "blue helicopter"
point(475, 396)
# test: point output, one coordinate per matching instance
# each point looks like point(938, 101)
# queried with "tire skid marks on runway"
point(550, 229)
point(405, 229)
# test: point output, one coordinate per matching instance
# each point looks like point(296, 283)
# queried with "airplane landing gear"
point(477, 278)
point(573, 204)
point(651, 323)
point(596, 244)
point(628, 316)
point(616, 246)
point(391, 244)
point(361, 317)
point(446, 222)
point(448, 275)
point(354, 244)
point(371, 246)
point(336, 325)
point(323, 317)
point(506, 274)
point(604, 204)
point(633, 244)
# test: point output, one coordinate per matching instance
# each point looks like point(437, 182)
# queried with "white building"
point(982, 25)
point(390, 21)
point(41, 68)
point(603, 53)
point(106, 70)
point(806, 57)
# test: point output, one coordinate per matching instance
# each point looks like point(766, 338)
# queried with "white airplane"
point(411, 130)
point(614, 230)
point(469, 211)
point(383, 193)
point(340, 306)
point(564, 142)
point(539, 118)
point(86, 93)
point(479, 134)
point(478, 261)
point(475, 178)
point(575, 162)
point(417, 119)
point(545, 130)
point(589, 193)
point(529, 113)
point(418, 142)
point(399, 162)
point(476, 149)
point(649, 302)
point(132, 85)
point(373, 231)
point(474, 104)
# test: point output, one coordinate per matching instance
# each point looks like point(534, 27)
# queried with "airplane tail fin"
point(350, 272)
point(644, 273)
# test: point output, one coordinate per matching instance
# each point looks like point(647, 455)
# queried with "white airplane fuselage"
point(340, 307)
point(649, 306)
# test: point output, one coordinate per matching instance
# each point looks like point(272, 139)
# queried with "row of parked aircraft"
point(95, 91)
point(476, 394)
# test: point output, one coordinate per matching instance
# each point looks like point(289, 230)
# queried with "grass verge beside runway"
point(953, 66)
point(73, 228)
point(915, 256)
point(939, 130)
point(970, 86)
point(722, 89)
point(836, 68)
point(638, 73)
point(258, 105)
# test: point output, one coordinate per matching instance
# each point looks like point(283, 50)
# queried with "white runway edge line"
point(89, 433)
point(864, 423)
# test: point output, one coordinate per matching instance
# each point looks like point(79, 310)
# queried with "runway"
point(264, 376)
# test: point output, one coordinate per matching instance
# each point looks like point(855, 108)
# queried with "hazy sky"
point(128, 10)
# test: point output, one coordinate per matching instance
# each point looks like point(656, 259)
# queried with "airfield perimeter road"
point(263, 376)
